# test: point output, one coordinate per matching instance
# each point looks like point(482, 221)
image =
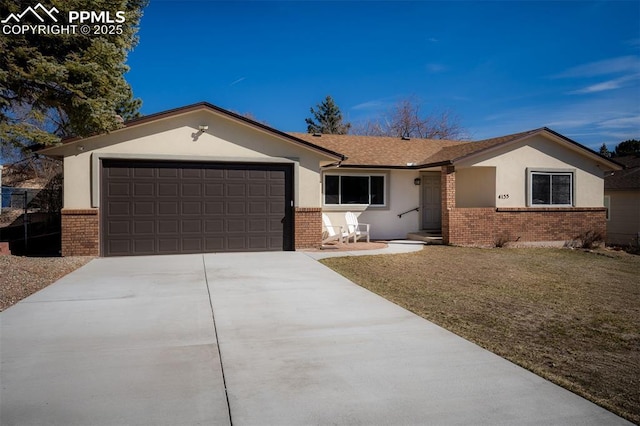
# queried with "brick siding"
point(80, 232)
point(308, 227)
point(483, 226)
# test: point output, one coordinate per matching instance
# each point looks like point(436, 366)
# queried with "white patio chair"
point(332, 233)
point(355, 229)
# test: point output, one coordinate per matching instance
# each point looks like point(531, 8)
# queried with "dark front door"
point(431, 201)
point(153, 207)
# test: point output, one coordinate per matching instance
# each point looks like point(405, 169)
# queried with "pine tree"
point(628, 147)
point(327, 119)
point(58, 85)
point(604, 151)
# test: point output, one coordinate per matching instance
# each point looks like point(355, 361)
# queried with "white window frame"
point(385, 190)
point(551, 172)
point(607, 204)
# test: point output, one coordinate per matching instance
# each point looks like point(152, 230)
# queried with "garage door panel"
point(276, 208)
point(258, 225)
point(236, 175)
point(236, 243)
point(119, 227)
point(169, 245)
point(143, 227)
point(210, 174)
point(214, 244)
point(167, 189)
point(119, 247)
point(118, 172)
point(162, 208)
point(213, 208)
point(258, 190)
point(235, 226)
point(167, 208)
point(257, 208)
point(144, 246)
point(275, 225)
point(191, 208)
point(236, 190)
point(214, 226)
point(191, 189)
point(165, 173)
point(143, 172)
point(118, 208)
point(192, 245)
point(168, 227)
point(191, 226)
point(143, 208)
point(191, 173)
point(214, 190)
point(259, 242)
point(119, 189)
point(236, 208)
point(144, 189)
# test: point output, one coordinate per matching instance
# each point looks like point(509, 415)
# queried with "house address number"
point(503, 196)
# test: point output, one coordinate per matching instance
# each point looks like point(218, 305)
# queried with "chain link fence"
point(30, 219)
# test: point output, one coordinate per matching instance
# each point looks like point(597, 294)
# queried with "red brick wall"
point(482, 226)
point(80, 232)
point(448, 197)
point(308, 227)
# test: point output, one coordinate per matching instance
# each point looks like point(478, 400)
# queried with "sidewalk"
point(393, 247)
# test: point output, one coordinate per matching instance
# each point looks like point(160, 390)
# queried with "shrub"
point(501, 240)
point(590, 239)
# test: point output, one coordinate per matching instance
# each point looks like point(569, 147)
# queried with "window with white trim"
point(548, 188)
point(607, 204)
point(354, 189)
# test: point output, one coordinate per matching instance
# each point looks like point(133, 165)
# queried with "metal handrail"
point(409, 211)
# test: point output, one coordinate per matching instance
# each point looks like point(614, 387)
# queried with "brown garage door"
point(168, 208)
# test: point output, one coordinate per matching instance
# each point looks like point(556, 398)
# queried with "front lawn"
point(570, 316)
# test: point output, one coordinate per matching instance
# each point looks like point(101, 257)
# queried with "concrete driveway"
point(251, 339)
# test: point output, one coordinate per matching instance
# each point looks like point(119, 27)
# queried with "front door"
point(431, 201)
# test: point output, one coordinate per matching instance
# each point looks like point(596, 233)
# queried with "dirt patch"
point(22, 276)
point(570, 316)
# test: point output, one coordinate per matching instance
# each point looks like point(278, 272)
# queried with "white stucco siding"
point(402, 195)
point(179, 136)
point(511, 164)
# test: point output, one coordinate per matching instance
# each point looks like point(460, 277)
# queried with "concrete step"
point(429, 237)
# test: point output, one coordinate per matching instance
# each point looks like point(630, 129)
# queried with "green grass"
point(570, 316)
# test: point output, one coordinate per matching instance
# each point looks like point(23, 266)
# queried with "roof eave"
point(194, 107)
point(605, 160)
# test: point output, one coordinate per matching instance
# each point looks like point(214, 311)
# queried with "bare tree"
point(405, 119)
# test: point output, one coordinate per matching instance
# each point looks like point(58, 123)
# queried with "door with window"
point(431, 201)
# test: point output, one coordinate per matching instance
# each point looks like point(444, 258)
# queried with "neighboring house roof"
point(393, 152)
point(197, 107)
point(626, 179)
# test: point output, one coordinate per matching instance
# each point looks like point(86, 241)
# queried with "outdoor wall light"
point(203, 128)
point(417, 181)
point(80, 148)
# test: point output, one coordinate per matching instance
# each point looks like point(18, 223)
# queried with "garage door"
point(169, 208)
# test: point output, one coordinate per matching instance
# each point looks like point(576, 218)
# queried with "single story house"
point(622, 199)
point(203, 179)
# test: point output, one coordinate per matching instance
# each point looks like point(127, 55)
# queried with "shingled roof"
point(392, 152)
point(626, 179)
point(377, 151)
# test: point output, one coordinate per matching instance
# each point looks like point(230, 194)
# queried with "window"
point(354, 189)
point(607, 204)
point(551, 188)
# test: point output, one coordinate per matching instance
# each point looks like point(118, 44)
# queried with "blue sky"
point(502, 67)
